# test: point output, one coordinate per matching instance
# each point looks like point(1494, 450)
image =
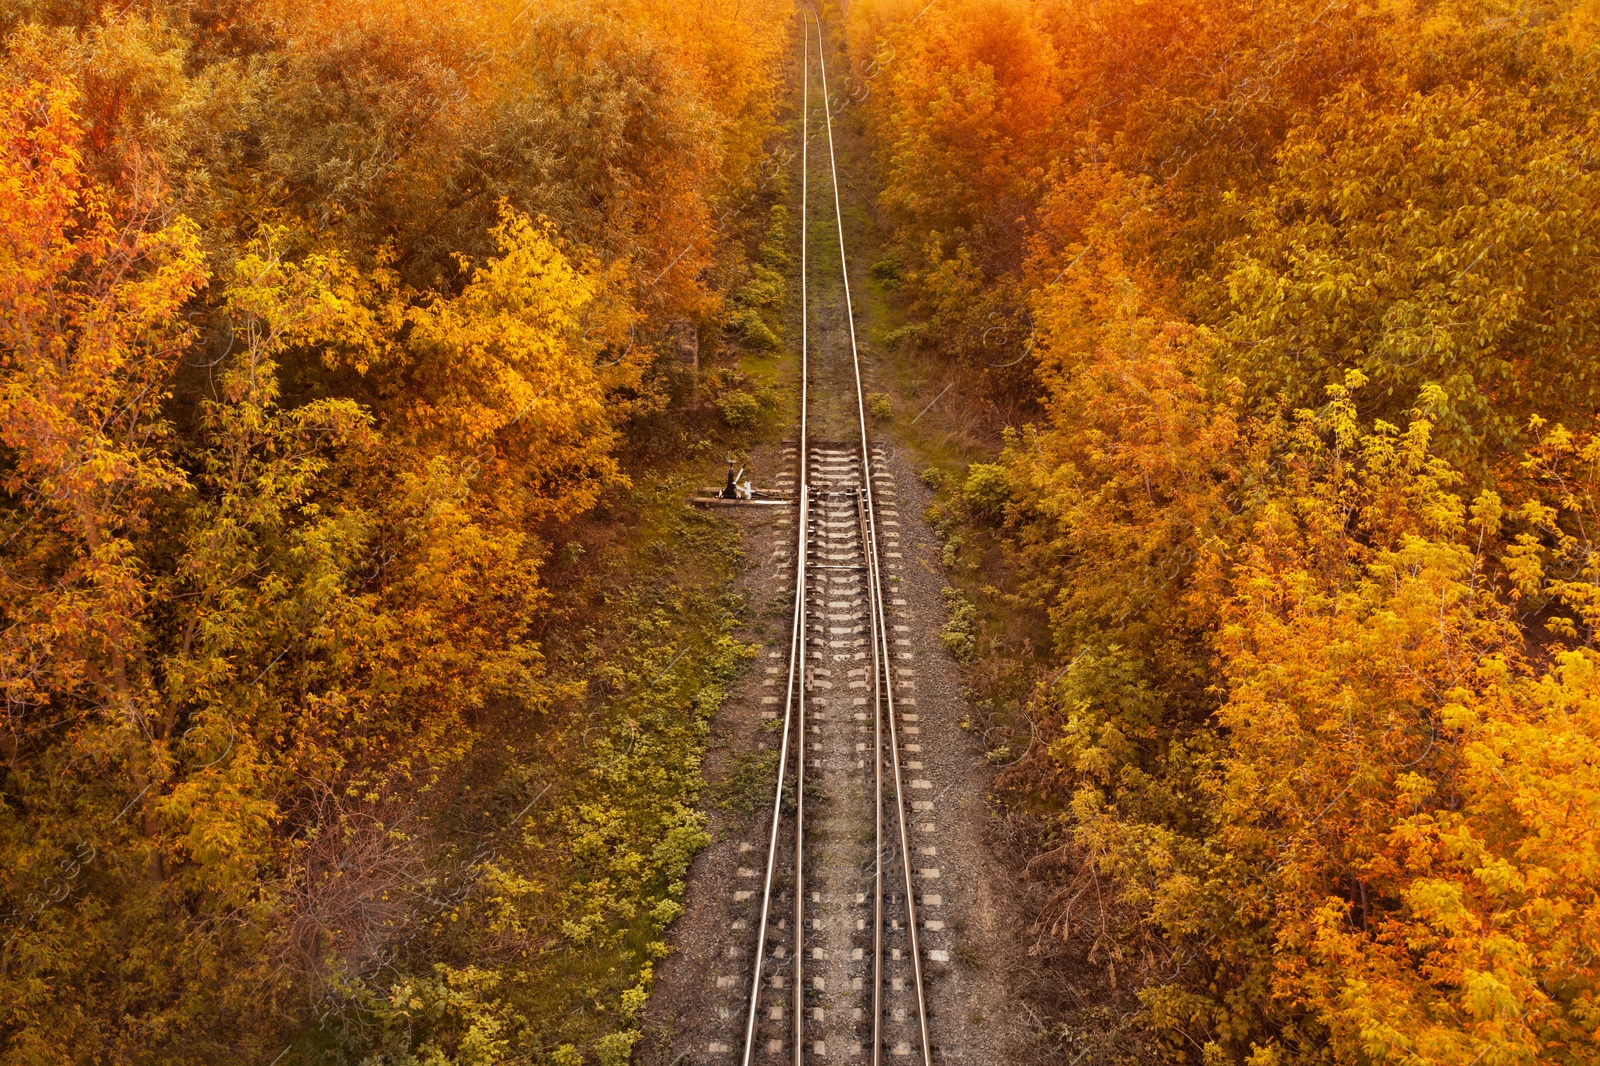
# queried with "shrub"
point(987, 489)
point(764, 288)
point(774, 251)
point(897, 338)
point(754, 331)
point(958, 633)
point(738, 407)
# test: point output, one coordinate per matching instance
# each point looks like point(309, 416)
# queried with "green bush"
point(765, 288)
point(952, 551)
point(774, 251)
point(755, 332)
point(959, 633)
point(738, 407)
point(986, 489)
point(897, 338)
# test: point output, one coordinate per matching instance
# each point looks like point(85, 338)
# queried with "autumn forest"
point(375, 695)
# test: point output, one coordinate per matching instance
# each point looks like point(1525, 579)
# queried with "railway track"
point(837, 966)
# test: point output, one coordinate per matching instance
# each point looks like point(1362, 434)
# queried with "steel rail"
point(881, 649)
point(877, 787)
point(794, 698)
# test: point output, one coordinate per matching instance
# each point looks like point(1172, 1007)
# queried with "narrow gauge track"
point(821, 864)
